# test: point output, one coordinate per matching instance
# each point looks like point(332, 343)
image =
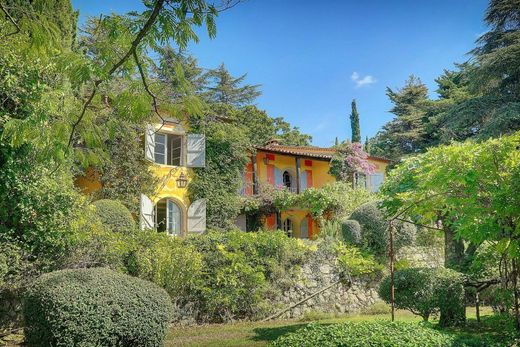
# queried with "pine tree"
point(226, 89)
point(354, 123)
point(407, 132)
point(336, 142)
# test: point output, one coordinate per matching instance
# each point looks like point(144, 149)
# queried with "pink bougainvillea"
point(350, 158)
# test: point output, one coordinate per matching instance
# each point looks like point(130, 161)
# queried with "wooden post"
point(391, 255)
point(477, 305)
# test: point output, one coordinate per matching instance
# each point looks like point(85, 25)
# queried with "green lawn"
point(260, 334)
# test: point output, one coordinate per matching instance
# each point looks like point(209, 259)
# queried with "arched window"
point(287, 179)
point(287, 226)
point(169, 217)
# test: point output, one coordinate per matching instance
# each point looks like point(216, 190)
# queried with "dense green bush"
point(363, 334)
point(95, 307)
point(374, 229)
point(414, 291)
point(351, 232)
point(243, 272)
point(168, 262)
point(114, 215)
point(427, 291)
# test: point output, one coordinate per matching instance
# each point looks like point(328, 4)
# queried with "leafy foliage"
point(427, 291)
point(109, 309)
point(361, 334)
point(114, 215)
point(219, 182)
point(243, 271)
point(125, 174)
point(374, 229)
point(332, 201)
point(351, 232)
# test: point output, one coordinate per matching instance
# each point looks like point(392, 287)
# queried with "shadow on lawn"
point(272, 333)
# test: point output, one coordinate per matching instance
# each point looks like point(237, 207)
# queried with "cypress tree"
point(354, 123)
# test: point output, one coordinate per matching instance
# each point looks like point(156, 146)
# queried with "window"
point(287, 180)
point(160, 148)
point(174, 218)
point(287, 226)
point(169, 217)
point(168, 149)
point(360, 180)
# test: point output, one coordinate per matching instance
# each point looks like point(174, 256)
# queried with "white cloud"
point(365, 81)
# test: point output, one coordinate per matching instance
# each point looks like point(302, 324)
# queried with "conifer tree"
point(226, 89)
point(354, 123)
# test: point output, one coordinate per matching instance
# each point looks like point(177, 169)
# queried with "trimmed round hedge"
point(114, 215)
point(351, 232)
point(95, 307)
point(363, 334)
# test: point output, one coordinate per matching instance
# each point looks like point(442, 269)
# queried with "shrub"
point(242, 272)
point(362, 334)
point(414, 290)
point(351, 232)
point(427, 291)
point(374, 229)
point(166, 261)
point(114, 215)
point(95, 307)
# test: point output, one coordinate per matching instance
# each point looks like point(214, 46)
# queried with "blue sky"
point(312, 58)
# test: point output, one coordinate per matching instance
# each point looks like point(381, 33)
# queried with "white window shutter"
point(303, 180)
point(196, 153)
point(149, 142)
point(147, 213)
point(278, 177)
point(197, 216)
point(376, 180)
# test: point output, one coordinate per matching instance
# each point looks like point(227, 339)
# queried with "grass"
point(253, 334)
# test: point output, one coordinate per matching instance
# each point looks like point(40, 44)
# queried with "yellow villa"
point(174, 153)
point(297, 168)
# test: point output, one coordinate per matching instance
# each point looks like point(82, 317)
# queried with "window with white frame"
point(169, 217)
point(168, 149)
point(175, 149)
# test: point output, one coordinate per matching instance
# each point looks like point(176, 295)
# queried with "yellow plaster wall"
point(319, 168)
point(297, 217)
point(320, 177)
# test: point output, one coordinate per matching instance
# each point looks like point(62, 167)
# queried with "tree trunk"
point(453, 249)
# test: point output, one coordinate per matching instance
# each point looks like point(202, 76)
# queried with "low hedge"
point(365, 334)
point(95, 307)
point(114, 215)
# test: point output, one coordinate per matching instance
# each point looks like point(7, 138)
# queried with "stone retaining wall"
point(339, 299)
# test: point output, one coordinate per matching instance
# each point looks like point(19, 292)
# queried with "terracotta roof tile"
point(308, 151)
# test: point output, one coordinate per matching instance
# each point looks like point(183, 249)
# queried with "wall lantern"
point(266, 160)
point(182, 181)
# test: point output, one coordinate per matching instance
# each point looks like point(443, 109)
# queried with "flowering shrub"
point(350, 158)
